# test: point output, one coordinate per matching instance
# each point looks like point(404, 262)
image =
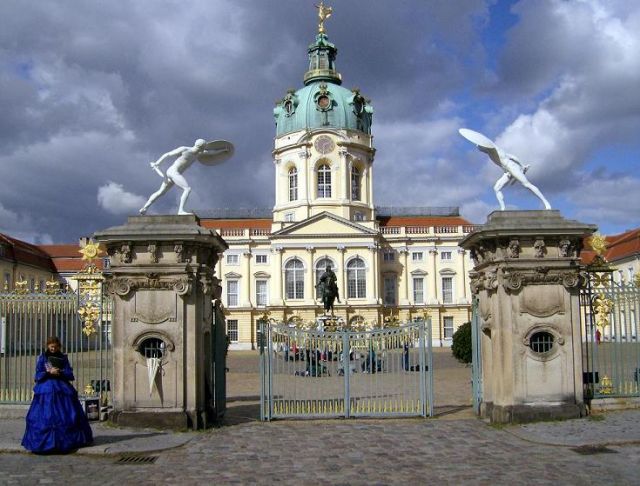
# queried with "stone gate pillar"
point(162, 281)
point(526, 278)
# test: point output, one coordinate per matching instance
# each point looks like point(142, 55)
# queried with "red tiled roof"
point(22, 252)
point(618, 247)
point(67, 257)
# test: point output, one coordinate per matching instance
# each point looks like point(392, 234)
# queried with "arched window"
point(324, 181)
point(321, 266)
point(355, 184)
point(294, 279)
point(293, 184)
point(356, 282)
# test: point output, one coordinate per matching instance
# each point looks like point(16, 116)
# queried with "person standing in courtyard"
point(56, 422)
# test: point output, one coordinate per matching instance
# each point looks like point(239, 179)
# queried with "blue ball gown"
point(55, 421)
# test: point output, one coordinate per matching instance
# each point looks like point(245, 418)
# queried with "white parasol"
point(153, 365)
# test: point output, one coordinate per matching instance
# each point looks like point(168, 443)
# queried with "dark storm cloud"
point(93, 91)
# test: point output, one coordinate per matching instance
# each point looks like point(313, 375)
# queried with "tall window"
point(232, 330)
point(447, 322)
point(294, 279)
point(321, 266)
point(7, 281)
point(356, 282)
point(355, 184)
point(390, 290)
point(232, 293)
point(261, 293)
point(447, 290)
point(418, 290)
point(324, 181)
point(293, 184)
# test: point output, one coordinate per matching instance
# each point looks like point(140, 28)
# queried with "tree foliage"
point(461, 347)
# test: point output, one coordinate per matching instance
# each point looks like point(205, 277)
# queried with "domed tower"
point(323, 147)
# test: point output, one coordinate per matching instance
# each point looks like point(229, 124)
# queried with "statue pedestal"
point(162, 282)
point(526, 279)
point(324, 321)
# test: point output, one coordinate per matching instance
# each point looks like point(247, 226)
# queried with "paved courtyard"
point(452, 448)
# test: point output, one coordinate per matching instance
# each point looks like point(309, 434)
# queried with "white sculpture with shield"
point(207, 153)
point(513, 169)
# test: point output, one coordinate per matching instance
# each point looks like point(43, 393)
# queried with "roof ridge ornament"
point(323, 14)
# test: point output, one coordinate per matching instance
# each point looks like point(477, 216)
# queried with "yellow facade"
point(407, 262)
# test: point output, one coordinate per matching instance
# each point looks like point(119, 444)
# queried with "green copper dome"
point(322, 103)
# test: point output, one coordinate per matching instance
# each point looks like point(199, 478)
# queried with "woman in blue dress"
point(55, 421)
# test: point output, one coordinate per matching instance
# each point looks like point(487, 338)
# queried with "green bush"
point(461, 347)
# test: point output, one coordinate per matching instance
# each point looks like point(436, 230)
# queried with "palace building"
point(392, 264)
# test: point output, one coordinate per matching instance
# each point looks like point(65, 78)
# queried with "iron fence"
point(346, 373)
point(610, 345)
point(27, 319)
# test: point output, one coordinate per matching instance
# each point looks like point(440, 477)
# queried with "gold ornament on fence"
point(606, 386)
point(90, 288)
point(602, 306)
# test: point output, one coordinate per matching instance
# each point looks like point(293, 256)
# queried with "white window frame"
point(447, 327)
point(446, 300)
point(232, 259)
point(390, 289)
point(293, 184)
point(324, 181)
point(417, 256)
point(356, 178)
point(418, 293)
point(264, 296)
point(297, 289)
point(356, 279)
point(261, 256)
point(231, 283)
point(446, 255)
point(232, 330)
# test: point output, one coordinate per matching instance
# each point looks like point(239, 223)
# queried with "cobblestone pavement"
point(343, 452)
point(452, 448)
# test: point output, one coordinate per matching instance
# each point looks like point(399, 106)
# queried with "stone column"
point(162, 281)
point(375, 277)
point(246, 290)
point(461, 282)
point(434, 273)
point(341, 277)
point(404, 288)
point(311, 278)
point(276, 296)
point(304, 178)
point(346, 174)
point(527, 279)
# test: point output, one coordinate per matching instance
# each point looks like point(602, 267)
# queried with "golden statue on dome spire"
point(323, 14)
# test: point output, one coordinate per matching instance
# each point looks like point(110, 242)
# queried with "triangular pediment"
point(325, 224)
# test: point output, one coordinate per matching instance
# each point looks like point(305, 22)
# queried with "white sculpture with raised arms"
point(207, 153)
point(512, 167)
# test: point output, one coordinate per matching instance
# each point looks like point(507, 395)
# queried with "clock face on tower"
point(324, 144)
